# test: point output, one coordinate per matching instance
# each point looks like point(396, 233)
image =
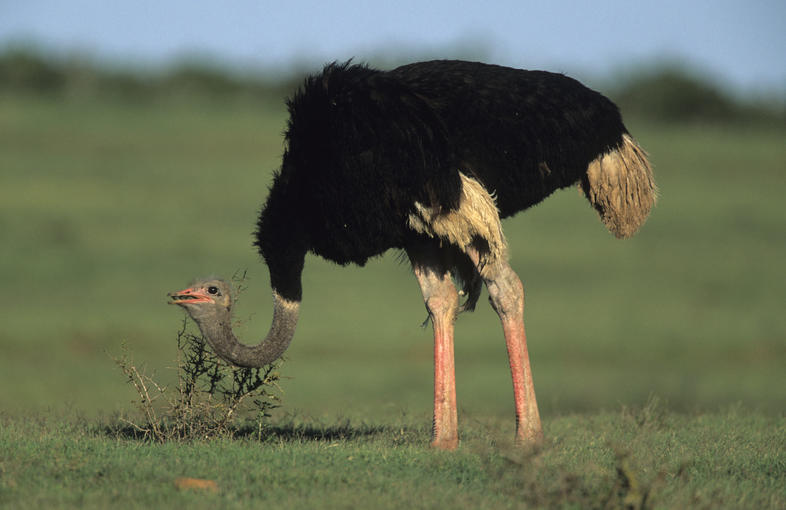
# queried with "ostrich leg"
point(506, 294)
point(441, 300)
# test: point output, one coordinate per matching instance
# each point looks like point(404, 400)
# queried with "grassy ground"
point(644, 459)
point(105, 208)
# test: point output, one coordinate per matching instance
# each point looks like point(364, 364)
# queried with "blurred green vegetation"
point(27, 71)
point(117, 187)
point(670, 92)
point(107, 204)
point(105, 207)
point(665, 92)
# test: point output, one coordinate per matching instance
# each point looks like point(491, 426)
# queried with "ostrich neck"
point(218, 332)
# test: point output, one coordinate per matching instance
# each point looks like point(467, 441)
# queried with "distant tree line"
point(665, 93)
point(29, 72)
point(672, 93)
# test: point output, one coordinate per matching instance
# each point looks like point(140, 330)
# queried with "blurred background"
point(138, 139)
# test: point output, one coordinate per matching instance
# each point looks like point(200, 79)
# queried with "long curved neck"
point(220, 336)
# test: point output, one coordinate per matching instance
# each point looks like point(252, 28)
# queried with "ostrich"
point(427, 158)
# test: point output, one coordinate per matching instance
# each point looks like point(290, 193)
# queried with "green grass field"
point(658, 361)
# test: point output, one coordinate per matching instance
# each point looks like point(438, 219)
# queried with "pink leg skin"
point(528, 428)
point(441, 300)
point(506, 294)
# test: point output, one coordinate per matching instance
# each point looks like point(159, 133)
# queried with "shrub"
point(212, 399)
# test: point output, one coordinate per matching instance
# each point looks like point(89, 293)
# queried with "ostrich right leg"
point(441, 299)
point(506, 294)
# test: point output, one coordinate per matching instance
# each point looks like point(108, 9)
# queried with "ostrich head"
point(209, 303)
point(205, 300)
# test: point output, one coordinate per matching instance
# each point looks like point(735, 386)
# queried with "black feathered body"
point(363, 146)
point(522, 134)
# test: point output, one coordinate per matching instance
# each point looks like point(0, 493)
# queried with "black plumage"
point(523, 134)
point(427, 158)
point(363, 145)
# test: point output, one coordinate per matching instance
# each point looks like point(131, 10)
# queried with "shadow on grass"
point(343, 431)
point(287, 432)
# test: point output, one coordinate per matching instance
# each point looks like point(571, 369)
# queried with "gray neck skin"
point(218, 331)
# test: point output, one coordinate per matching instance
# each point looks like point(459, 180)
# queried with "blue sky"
point(741, 42)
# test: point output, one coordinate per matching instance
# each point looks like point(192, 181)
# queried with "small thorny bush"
point(212, 398)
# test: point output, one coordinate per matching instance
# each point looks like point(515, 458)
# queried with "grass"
point(106, 207)
point(644, 459)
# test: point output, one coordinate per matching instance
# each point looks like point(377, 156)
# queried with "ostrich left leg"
point(441, 300)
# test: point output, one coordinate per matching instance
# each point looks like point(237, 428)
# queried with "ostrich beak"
point(188, 296)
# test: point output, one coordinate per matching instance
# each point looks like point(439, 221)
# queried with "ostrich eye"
point(212, 290)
